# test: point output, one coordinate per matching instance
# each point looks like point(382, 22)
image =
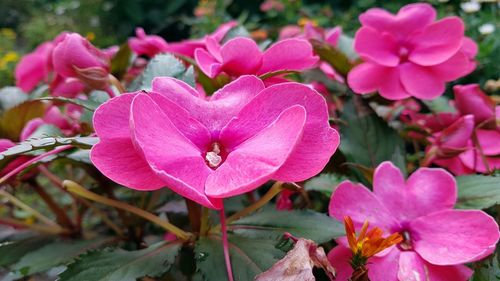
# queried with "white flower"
point(470, 7)
point(486, 28)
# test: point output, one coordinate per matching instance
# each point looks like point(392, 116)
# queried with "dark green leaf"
point(14, 119)
point(301, 223)
point(249, 257)
point(10, 97)
point(11, 252)
point(162, 65)
point(121, 61)
point(121, 265)
point(477, 191)
point(336, 58)
point(87, 104)
point(44, 131)
point(487, 270)
point(324, 183)
point(54, 254)
point(367, 140)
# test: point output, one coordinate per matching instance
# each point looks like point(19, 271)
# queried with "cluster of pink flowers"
point(467, 140)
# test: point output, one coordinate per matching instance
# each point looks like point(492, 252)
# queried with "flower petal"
point(438, 41)
point(289, 54)
point(174, 158)
point(453, 68)
point(452, 237)
point(111, 119)
point(411, 267)
point(420, 81)
point(118, 160)
point(446, 273)
point(207, 63)
point(240, 56)
point(376, 47)
point(384, 268)
point(318, 142)
point(360, 204)
point(366, 77)
point(253, 162)
point(391, 86)
point(469, 99)
point(340, 257)
point(489, 141)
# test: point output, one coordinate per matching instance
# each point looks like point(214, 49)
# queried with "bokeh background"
point(26, 23)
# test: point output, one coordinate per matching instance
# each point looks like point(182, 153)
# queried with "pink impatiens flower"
point(410, 54)
point(438, 240)
point(240, 56)
point(208, 148)
point(147, 45)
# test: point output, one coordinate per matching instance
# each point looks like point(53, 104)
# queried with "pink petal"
point(288, 54)
point(223, 29)
point(452, 237)
point(411, 267)
point(420, 81)
point(223, 105)
point(453, 68)
point(318, 142)
point(339, 257)
point(391, 86)
point(489, 141)
point(192, 129)
point(213, 48)
point(384, 268)
point(366, 77)
point(472, 159)
point(446, 273)
point(118, 160)
point(427, 190)
point(360, 204)
point(174, 158)
point(111, 119)
point(454, 165)
point(410, 18)
point(30, 128)
point(254, 162)
point(6, 144)
point(377, 47)
point(457, 135)
point(469, 99)
point(240, 56)
point(30, 71)
point(438, 42)
point(207, 63)
point(332, 35)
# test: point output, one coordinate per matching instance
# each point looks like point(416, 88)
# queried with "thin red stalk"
point(28, 163)
point(225, 245)
point(110, 92)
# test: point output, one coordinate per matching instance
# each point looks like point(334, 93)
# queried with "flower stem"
point(225, 245)
point(30, 210)
point(35, 227)
point(204, 221)
point(115, 82)
point(77, 189)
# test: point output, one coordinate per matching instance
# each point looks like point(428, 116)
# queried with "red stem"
point(225, 245)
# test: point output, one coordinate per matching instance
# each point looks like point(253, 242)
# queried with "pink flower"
point(66, 87)
point(76, 57)
point(240, 56)
point(438, 239)
point(37, 65)
point(148, 45)
point(410, 54)
point(211, 148)
point(188, 47)
point(469, 99)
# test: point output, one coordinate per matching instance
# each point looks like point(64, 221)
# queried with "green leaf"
point(324, 183)
point(11, 252)
point(440, 104)
point(14, 119)
point(270, 223)
point(44, 131)
point(54, 254)
point(121, 265)
point(249, 257)
point(121, 61)
point(238, 31)
point(162, 65)
point(10, 97)
point(346, 46)
point(487, 270)
point(330, 54)
point(48, 143)
point(89, 104)
point(478, 191)
point(367, 140)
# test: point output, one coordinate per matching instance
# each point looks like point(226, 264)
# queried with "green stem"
point(77, 189)
point(204, 221)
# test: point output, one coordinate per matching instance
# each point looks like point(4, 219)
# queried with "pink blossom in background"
point(209, 148)
point(66, 87)
point(410, 53)
point(147, 45)
point(76, 57)
point(240, 56)
point(438, 239)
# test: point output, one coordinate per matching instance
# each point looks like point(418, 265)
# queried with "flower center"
point(214, 157)
point(406, 245)
point(403, 54)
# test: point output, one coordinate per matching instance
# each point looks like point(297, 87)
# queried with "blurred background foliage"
point(26, 23)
